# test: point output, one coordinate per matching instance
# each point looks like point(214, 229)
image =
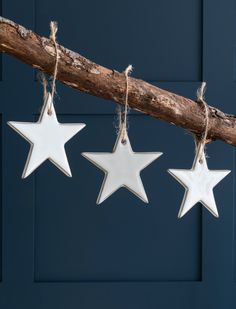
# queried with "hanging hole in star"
point(49, 112)
point(123, 141)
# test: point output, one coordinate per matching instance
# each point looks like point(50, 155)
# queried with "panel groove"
point(55, 212)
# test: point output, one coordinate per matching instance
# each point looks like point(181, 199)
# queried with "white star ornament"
point(199, 183)
point(122, 168)
point(47, 137)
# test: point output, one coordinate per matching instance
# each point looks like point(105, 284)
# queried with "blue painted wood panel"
point(59, 249)
point(116, 33)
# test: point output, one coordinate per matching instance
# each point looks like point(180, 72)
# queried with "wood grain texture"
point(80, 73)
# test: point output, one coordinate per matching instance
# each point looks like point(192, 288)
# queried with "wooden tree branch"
point(82, 74)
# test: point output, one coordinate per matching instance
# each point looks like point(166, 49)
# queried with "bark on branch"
point(78, 72)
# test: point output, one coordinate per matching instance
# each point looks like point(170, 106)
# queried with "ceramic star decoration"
point(47, 138)
point(199, 183)
point(122, 168)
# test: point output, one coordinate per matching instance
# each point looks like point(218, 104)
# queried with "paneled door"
point(58, 248)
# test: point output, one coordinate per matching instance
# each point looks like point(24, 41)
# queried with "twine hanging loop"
point(123, 115)
point(54, 28)
point(200, 98)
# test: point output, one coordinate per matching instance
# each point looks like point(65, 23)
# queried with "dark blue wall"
point(59, 249)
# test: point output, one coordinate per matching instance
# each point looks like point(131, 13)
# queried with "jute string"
point(54, 28)
point(122, 115)
point(44, 82)
point(200, 98)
